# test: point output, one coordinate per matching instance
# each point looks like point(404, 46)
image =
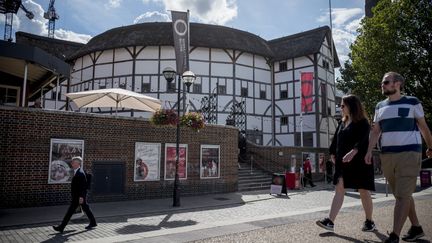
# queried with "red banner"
point(306, 91)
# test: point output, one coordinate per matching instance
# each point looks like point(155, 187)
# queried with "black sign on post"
point(180, 22)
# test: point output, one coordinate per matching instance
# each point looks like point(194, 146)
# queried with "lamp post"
point(188, 78)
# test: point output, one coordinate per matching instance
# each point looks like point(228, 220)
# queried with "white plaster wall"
point(261, 62)
point(121, 54)
point(149, 52)
point(200, 53)
point(245, 59)
point(199, 68)
point(283, 76)
point(167, 63)
point(106, 56)
point(263, 75)
point(86, 61)
point(75, 77)
point(103, 70)
point(87, 73)
point(303, 61)
point(167, 52)
point(220, 69)
point(218, 55)
point(286, 139)
point(146, 67)
point(291, 124)
point(123, 68)
point(297, 72)
point(244, 72)
point(261, 106)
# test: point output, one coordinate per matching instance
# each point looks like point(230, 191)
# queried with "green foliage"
point(164, 118)
point(397, 38)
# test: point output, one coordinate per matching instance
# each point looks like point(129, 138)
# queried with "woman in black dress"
point(347, 150)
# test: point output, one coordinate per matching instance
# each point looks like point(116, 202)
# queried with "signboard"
point(147, 161)
point(61, 153)
point(170, 161)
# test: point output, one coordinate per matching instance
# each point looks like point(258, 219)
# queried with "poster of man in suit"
point(61, 153)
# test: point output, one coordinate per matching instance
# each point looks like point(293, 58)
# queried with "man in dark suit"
point(79, 194)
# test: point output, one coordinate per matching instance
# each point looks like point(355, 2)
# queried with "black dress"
point(356, 174)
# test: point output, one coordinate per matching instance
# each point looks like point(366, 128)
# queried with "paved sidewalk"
point(155, 220)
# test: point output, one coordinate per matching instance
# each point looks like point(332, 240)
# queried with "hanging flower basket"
point(164, 118)
point(193, 120)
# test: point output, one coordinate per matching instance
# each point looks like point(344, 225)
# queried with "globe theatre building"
point(239, 68)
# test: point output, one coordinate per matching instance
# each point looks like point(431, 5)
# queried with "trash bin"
point(278, 185)
point(425, 178)
point(292, 180)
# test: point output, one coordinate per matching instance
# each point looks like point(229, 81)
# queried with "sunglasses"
point(385, 82)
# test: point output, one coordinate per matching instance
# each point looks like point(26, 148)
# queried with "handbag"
point(78, 213)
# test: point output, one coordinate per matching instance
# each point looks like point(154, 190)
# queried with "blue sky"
point(82, 19)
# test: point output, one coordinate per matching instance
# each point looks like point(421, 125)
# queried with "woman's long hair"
point(355, 107)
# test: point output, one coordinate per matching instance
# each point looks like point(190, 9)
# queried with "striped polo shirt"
point(397, 120)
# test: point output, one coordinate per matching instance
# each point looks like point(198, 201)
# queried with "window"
point(284, 120)
point(102, 84)
point(244, 92)
point(283, 66)
point(324, 100)
point(9, 95)
point(145, 88)
point(325, 64)
point(54, 93)
point(122, 84)
point(171, 87)
point(263, 94)
point(284, 94)
point(197, 88)
point(221, 89)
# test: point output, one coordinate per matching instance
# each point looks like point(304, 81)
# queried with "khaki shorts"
point(401, 171)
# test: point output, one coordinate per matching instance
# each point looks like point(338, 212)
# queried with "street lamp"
point(188, 78)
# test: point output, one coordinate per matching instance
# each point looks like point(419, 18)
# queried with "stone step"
point(257, 180)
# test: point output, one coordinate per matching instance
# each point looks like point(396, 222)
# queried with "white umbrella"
point(118, 98)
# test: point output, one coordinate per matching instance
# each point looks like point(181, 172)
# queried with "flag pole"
point(301, 111)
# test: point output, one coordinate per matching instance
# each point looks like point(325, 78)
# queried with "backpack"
point(88, 179)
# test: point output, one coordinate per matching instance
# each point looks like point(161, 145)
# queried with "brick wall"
point(25, 150)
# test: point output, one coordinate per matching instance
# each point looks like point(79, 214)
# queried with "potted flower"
point(164, 117)
point(193, 120)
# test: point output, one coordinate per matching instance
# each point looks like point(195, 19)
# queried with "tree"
point(397, 38)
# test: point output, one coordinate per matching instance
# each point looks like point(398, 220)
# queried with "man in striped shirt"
point(399, 121)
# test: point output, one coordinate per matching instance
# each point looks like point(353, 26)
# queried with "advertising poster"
point(170, 160)
point(147, 161)
point(210, 161)
point(61, 153)
point(312, 158)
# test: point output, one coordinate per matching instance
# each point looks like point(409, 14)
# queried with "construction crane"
point(52, 16)
point(9, 8)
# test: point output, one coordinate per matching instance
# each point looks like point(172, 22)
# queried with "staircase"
point(257, 180)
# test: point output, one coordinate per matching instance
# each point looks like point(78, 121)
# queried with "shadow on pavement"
point(62, 237)
point(347, 238)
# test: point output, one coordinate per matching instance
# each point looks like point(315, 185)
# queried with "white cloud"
point(71, 36)
point(39, 25)
point(207, 11)
point(152, 17)
point(113, 4)
point(345, 23)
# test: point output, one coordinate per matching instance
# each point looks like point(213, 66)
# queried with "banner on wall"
point(147, 161)
point(61, 153)
point(180, 23)
point(170, 161)
point(210, 161)
point(313, 161)
point(306, 91)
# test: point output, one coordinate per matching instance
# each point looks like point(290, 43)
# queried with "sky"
point(80, 20)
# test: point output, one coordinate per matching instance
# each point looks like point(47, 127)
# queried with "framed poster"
point(210, 161)
point(170, 160)
point(321, 162)
point(147, 161)
point(61, 153)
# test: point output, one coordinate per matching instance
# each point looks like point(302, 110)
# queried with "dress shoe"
point(90, 226)
point(58, 228)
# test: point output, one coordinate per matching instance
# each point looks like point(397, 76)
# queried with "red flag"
point(306, 91)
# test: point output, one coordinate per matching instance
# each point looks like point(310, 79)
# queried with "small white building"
point(236, 65)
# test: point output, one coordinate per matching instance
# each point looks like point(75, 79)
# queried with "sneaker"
point(368, 226)
point(393, 238)
point(326, 224)
point(414, 233)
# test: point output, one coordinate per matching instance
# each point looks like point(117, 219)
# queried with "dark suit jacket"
point(79, 185)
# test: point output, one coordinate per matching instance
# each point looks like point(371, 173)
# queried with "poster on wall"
point(210, 161)
point(170, 160)
point(312, 158)
point(61, 153)
point(147, 161)
point(321, 162)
